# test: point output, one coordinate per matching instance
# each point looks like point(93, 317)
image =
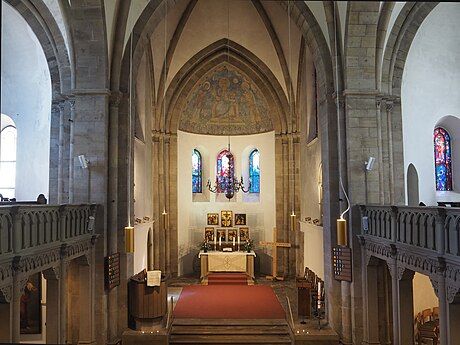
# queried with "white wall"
point(26, 98)
point(430, 91)
point(192, 215)
point(424, 296)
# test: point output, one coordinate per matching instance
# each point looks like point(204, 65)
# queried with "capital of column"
point(72, 104)
point(451, 293)
point(7, 292)
point(115, 99)
point(389, 106)
point(435, 285)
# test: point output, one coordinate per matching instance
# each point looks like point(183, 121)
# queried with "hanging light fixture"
point(164, 214)
point(129, 230)
point(228, 183)
point(342, 235)
point(293, 217)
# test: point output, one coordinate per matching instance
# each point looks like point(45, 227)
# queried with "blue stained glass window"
point(254, 171)
point(442, 159)
point(196, 172)
point(225, 169)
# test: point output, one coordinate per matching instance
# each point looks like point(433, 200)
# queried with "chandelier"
point(227, 182)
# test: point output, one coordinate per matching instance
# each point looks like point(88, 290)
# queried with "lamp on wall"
point(228, 184)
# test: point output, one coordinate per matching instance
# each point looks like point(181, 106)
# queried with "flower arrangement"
point(205, 246)
point(249, 245)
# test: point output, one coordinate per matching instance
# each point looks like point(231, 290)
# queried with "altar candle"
point(215, 242)
point(319, 295)
point(220, 241)
point(233, 240)
point(238, 239)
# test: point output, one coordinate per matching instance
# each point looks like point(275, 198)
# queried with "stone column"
point(52, 305)
point(439, 285)
point(71, 150)
point(60, 177)
point(86, 316)
point(112, 221)
point(63, 294)
point(406, 306)
point(370, 300)
point(19, 282)
point(380, 150)
point(453, 315)
point(6, 315)
point(395, 297)
point(389, 109)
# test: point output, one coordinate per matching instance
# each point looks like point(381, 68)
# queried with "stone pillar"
point(6, 315)
point(112, 222)
point(389, 109)
point(406, 306)
point(60, 172)
point(85, 301)
point(347, 331)
point(63, 295)
point(395, 297)
point(453, 315)
point(52, 305)
point(71, 151)
point(370, 301)
point(19, 282)
point(380, 150)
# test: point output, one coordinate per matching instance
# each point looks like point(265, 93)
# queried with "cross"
point(275, 245)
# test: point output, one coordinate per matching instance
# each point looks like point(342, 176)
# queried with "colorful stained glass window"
point(442, 159)
point(225, 169)
point(196, 172)
point(254, 171)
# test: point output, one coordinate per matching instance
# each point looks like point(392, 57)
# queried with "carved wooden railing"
point(37, 227)
point(434, 229)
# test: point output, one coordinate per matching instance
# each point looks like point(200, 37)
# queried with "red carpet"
point(228, 302)
point(227, 279)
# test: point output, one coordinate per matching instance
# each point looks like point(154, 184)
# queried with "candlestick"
point(319, 295)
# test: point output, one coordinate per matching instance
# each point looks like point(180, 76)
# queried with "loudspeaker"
point(83, 161)
point(370, 163)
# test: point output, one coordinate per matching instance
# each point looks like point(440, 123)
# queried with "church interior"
point(229, 171)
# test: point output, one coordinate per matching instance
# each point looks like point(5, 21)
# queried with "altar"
point(216, 261)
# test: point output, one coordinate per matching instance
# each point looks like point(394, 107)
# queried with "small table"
point(216, 261)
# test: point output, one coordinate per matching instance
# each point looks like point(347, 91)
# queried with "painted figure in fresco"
point(247, 98)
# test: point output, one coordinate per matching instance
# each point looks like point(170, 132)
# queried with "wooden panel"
point(341, 263)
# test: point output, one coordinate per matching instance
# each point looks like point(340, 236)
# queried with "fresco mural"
point(225, 102)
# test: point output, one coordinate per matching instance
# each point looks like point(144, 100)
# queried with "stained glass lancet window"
point(225, 169)
point(442, 159)
point(254, 171)
point(196, 172)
